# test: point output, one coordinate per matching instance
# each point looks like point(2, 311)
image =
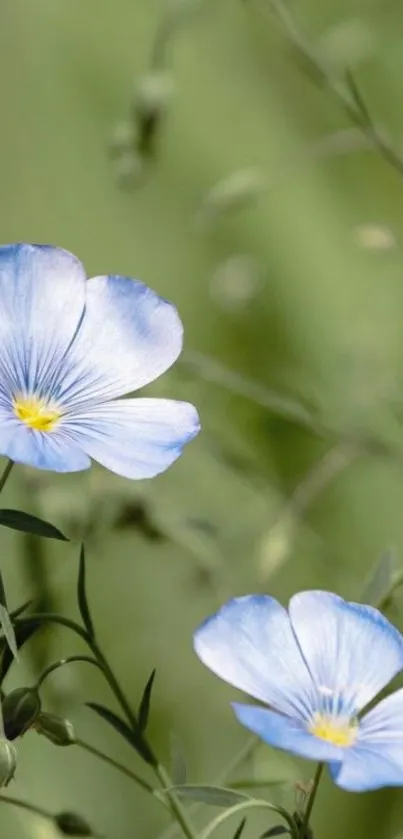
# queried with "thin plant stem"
point(82, 744)
point(177, 810)
point(7, 470)
point(311, 801)
point(239, 758)
point(26, 805)
point(346, 92)
point(61, 663)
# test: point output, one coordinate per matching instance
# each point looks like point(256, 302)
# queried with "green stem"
point(82, 744)
point(311, 800)
point(177, 810)
point(61, 663)
point(247, 805)
point(25, 805)
point(7, 470)
point(347, 94)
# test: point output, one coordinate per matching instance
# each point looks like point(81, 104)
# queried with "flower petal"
point(377, 758)
point(284, 733)
point(129, 336)
point(250, 644)
point(352, 651)
point(51, 450)
point(136, 438)
point(42, 291)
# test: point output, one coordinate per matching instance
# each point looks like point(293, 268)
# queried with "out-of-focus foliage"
point(187, 144)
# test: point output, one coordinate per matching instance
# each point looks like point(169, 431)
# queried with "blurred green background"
point(262, 213)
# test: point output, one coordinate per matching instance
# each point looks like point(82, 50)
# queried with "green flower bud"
point(56, 729)
point(72, 825)
point(20, 710)
point(8, 762)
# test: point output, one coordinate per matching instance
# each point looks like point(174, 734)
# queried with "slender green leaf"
point(134, 738)
point(22, 634)
point(239, 831)
point(17, 520)
point(214, 796)
point(82, 596)
point(20, 609)
point(144, 707)
point(277, 830)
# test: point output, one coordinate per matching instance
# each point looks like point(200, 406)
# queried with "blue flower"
point(317, 666)
point(68, 348)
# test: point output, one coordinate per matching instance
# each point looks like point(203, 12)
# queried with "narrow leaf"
point(20, 609)
point(24, 522)
point(82, 596)
point(215, 796)
point(178, 765)
point(239, 831)
point(134, 738)
point(5, 621)
point(278, 830)
point(144, 707)
point(22, 634)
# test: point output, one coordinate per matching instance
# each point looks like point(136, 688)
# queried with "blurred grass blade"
point(277, 830)
point(214, 796)
point(144, 707)
point(382, 579)
point(134, 738)
point(82, 596)
point(26, 523)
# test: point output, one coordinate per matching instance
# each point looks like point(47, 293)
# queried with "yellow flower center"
point(36, 412)
point(338, 732)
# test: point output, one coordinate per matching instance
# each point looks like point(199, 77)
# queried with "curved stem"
point(61, 663)
point(7, 470)
point(25, 805)
point(247, 805)
point(311, 800)
point(50, 617)
point(177, 810)
point(82, 744)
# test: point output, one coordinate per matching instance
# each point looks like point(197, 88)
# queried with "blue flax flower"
point(317, 666)
point(68, 348)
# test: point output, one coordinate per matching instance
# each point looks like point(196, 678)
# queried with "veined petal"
point(376, 760)
point(42, 291)
point(352, 651)
point(41, 450)
point(136, 438)
point(250, 644)
point(285, 733)
point(129, 336)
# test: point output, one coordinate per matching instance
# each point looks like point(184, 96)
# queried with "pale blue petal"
point(285, 733)
point(250, 644)
point(136, 438)
point(42, 450)
point(129, 336)
point(376, 760)
point(42, 291)
point(352, 651)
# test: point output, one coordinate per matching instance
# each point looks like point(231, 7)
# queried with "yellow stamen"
point(36, 412)
point(338, 732)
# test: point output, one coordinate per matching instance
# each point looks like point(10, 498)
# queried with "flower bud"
point(56, 729)
point(8, 762)
point(152, 94)
point(72, 825)
point(20, 710)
